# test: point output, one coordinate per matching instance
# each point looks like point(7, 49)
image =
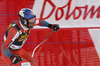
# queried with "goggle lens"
point(32, 20)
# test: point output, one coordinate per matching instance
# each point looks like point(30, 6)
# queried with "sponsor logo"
point(23, 37)
point(76, 12)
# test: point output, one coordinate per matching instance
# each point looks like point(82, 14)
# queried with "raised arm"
point(44, 23)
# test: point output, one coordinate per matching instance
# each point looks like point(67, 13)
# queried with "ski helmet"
point(26, 16)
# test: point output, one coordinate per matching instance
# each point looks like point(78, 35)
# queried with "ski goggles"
point(32, 20)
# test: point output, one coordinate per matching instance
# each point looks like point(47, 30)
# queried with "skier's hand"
point(55, 27)
point(15, 59)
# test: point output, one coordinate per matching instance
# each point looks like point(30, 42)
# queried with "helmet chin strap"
point(26, 23)
point(27, 26)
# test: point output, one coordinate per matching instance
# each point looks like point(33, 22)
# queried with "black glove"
point(15, 59)
point(55, 27)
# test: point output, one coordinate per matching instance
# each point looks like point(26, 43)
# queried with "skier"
point(16, 35)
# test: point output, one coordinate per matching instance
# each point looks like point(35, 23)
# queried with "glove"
point(15, 59)
point(55, 27)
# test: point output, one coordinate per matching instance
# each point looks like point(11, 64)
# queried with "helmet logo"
point(32, 13)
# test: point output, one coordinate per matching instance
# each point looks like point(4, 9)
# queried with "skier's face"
point(31, 22)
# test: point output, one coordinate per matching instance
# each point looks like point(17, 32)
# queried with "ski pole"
point(41, 43)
